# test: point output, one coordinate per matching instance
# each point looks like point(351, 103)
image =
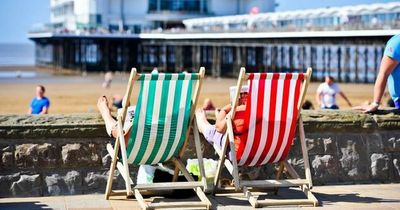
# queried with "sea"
point(19, 54)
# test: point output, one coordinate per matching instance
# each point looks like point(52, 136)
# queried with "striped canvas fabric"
point(270, 115)
point(161, 117)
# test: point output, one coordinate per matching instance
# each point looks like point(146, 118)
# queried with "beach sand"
point(77, 94)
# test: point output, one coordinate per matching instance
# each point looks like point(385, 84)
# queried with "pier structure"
point(348, 56)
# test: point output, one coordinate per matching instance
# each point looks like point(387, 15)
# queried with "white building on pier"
point(139, 15)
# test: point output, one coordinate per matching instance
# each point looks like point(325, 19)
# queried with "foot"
point(102, 105)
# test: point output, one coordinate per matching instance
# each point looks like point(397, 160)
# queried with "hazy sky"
point(18, 16)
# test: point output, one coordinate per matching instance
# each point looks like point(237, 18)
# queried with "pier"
point(348, 56)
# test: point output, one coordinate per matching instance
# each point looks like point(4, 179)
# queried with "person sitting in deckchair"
point(110, 122)
point(214, 133)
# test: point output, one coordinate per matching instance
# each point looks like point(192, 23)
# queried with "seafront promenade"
point(365, 197)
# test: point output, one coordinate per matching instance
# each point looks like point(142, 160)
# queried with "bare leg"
point(202, 122)
point(102, 105)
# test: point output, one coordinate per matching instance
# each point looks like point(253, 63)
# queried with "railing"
point(220, 28)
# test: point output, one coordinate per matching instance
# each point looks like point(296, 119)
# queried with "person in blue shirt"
point(40, 104)
point(389, 73)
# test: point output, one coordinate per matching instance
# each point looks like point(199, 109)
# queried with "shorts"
point(330, 107)
point(215, 138)
point(397, 104)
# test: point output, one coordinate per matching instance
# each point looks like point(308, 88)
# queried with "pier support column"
point(238, 61)
point(216, 62)
point(178, 59)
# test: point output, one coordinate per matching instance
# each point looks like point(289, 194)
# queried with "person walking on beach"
point(389, 73)
point(40, 104)
point(326, 94)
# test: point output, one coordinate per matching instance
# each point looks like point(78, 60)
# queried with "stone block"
point(374, 143)
point(95, 182)
point(76, 155)
point(27, 185)
point(391, 142)
point(353, 158)
point(36, 155)
point(67, 184)
point(6, 155)
point(330, 146)
point(395, 161)
point(6, 182)
point(379, 166)
point(314, 145)
point(320, 144)
point(7, 160)
point(298, 165)
point(325, 169)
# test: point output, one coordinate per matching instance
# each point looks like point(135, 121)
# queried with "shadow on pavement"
point(24, 205)
point(328, 199)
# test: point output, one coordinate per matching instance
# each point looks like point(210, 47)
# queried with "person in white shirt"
point(326, 94)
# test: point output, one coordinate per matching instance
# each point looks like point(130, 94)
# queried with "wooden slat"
point(174, 205)
point(291, 170)
point(110, 149)
point(182, 168)
point(121, 169)
point(118, 192)
point(274, 183)
point(169, 185)
point(277, 202)
point(140, 200)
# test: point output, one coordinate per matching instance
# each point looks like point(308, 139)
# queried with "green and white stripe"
point(161, 117)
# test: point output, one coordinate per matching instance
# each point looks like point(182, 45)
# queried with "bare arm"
point(318, 98)
point(30, 110)
point(388, 64)
point(220, 123)
point(345, 98)
point(45, 110)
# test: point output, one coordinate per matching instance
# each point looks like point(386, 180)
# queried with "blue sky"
point(17, 16)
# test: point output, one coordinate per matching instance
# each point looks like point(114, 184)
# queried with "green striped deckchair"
point(163, 120)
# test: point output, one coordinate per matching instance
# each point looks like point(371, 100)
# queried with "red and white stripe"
point(273, 99)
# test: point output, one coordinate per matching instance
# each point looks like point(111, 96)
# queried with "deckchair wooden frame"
point(123, 167)
point(244, 185)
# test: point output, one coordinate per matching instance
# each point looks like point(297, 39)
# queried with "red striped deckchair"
point(270, 117)
point(160, 131)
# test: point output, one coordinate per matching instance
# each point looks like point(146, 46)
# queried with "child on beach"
point(40, 104)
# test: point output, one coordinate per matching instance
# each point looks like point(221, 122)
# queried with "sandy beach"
point(74, 93)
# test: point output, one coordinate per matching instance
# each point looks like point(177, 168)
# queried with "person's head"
point(40, 90)
point(243, 98)
point(307, 105)
point(329, 80)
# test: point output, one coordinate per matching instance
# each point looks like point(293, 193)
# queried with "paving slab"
point(373, 196)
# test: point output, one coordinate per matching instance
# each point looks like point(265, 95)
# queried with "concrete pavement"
point(375, 196)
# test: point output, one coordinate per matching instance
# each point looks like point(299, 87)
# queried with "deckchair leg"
point(291, 170)
point(199, 153)
point(235, 172)
point(252, 200)
point(280, 170)
point(278, 175)
point(125, 169)
point(305, 152)
point(114, 158)
point(221, 161)
point(140, 200)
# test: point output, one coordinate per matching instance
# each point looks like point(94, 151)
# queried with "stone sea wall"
point(65, 154)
